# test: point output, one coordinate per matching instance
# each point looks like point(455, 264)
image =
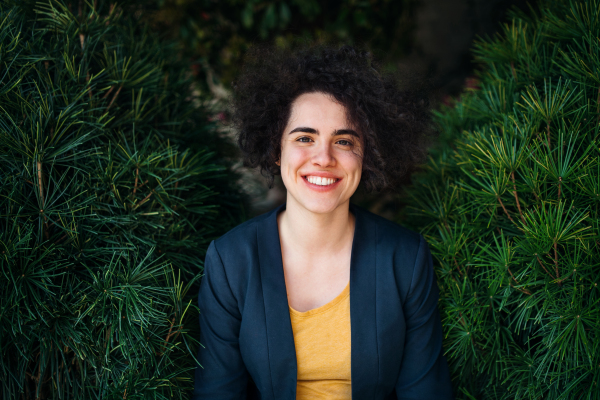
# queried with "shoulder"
point(236, 254)
point(390, 235)
point(401, 253)
point(238, 250)
point(243, 235)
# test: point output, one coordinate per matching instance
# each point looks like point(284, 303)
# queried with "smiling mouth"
point(317, 180)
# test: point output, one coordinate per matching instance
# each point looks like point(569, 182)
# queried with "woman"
point(320, 299)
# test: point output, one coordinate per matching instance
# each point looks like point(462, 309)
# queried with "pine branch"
point(559, 184)
point(137, 173)
point(41, 186)
point(87, 81)
point(108, 92)
point(505, 211)
point(145, 199)
point(556, 264)
point(598, 107)
point(114, 97)
point(564, 102)
point(512, 68)
point(527, 292)
point(542, 265)
point(457, 266)
point(41, 190)
point(169, 336)
point(142, 185)
point(512, 175)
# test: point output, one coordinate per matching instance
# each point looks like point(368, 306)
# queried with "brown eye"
point(345, 142)
point(301, 139)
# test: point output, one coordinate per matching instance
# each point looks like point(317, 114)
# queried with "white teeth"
point(317, 180)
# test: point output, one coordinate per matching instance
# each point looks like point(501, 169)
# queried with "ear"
point(278, 163)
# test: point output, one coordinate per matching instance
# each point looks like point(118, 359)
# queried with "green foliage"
point(109, 196)
point(216, 34)
point(511, 208)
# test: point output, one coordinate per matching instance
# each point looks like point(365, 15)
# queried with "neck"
point(316, 232)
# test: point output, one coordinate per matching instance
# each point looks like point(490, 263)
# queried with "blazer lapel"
point(363, 324)
point(280, 337)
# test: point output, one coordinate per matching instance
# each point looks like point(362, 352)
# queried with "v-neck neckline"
point(280, 338)
point(325, 307)
point(352, 210)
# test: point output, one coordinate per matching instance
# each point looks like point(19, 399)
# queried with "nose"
point(324, 156)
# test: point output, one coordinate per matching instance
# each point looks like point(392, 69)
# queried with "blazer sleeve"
point(221, 374)
point(424, 373)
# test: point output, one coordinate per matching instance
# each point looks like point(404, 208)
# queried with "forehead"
point(317, 109)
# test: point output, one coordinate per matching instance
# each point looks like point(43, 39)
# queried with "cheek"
point(352, 164)
point(293, 158)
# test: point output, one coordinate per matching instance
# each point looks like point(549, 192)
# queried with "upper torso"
point(251, 308)
point(314, 276)
point(322, 339)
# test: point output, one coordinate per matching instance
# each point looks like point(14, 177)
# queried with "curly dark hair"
point(394, 124)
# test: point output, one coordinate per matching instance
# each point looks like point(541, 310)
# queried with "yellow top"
point(322, 340)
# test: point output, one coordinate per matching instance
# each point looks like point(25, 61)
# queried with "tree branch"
point(504, 208)
point(169, 334)
point(598, 106)
point(109, 92)
point(114, 97)
point(517, 282)
point(559, 183)
point(137, 173)
point(512, 175)
point(542, 265)
point(556, 264)
point(457, 266)
point(514, 72)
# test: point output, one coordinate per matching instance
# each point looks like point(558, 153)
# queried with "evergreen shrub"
point(110, 191)
point(510, 207)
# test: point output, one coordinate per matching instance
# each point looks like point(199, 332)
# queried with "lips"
point(321, 181)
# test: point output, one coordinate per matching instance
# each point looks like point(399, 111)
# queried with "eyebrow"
point(337, 132)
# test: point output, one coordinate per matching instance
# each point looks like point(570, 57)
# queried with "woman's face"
point(321, 155)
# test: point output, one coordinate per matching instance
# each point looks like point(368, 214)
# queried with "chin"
point(321, 206)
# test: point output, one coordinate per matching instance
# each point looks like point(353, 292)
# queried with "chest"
point(323, 340)
point(377, 326)
point(312, 282)
point(371, 343)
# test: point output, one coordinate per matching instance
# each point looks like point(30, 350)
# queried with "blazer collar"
point(282, 352)
point(280, 338)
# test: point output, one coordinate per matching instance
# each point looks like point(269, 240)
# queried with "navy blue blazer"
point(246, 332)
